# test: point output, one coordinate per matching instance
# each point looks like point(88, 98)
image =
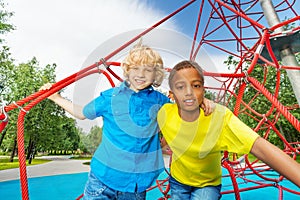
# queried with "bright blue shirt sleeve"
point(98, 106)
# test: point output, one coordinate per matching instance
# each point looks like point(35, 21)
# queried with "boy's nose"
point(189, 90)
point(141, 72)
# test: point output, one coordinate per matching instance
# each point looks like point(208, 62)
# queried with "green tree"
point(92, 140)
point(6, 62)
point(259, 103)
point(25, 79)
point(5, 26)
point(46, 126)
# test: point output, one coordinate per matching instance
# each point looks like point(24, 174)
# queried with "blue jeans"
point(96, 190)
point(180, 191)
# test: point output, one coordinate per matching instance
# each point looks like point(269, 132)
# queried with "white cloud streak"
point(67, 32)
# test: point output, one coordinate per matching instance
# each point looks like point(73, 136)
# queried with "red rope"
point(253, 22)
point(282, 109)
point(3, 123)
point(285, 23)
point(233, 179)
point(22, 157)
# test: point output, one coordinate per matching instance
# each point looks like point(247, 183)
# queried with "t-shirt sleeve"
point(238, 137)
point(162, 116)
point(95, 108)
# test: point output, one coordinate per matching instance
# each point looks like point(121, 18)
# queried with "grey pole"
point(286, 54)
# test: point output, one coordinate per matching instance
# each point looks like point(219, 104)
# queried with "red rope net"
point(234, 28)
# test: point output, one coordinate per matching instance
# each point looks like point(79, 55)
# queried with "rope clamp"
point(103, 63)
point(264, 117)
point(246, 76)
point(5, 114)
point(20, 107)
point(224, 159)
point(259, 49)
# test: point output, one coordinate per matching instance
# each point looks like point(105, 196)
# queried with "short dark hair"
point(183, 65)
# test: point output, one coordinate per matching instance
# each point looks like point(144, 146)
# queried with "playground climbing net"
point(236, 29)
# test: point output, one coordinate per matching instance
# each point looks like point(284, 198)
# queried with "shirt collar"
point(125, 87)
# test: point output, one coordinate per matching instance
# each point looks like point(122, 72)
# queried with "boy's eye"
point(133, 68)
point(197, 85)
point(179, 87)
point(149, 69)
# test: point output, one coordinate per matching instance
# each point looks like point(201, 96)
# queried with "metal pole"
point(286, 53)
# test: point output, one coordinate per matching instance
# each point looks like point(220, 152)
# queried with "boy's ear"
point(171, 95)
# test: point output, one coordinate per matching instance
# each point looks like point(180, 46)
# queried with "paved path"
point(58, 165)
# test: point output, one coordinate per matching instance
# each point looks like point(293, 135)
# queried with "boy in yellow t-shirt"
point(197, 140)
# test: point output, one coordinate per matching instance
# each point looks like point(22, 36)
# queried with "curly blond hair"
point(143, 55)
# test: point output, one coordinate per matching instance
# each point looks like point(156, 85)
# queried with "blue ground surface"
point(70, 186)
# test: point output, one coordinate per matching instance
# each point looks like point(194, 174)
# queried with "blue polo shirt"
point(129, 157)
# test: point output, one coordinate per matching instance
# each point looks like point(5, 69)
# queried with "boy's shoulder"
point(222, 110)
point(220, 107)
point(169, 107)
point(108, 92)
point(112, 91)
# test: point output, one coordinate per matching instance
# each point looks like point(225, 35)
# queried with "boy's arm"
point(67, 105)
point(277, 160)
point(208, 106)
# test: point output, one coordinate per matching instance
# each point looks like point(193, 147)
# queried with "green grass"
point(81, 157)
point(88, 158)
point(5, 164)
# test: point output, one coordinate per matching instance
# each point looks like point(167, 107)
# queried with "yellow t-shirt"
point(197, 146)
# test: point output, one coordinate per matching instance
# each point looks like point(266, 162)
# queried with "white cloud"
point(67, 32)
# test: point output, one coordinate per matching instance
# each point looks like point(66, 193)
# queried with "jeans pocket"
point(94, 187)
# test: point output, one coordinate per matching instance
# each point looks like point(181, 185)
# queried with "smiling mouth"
point(189, 101)
point(139, 81)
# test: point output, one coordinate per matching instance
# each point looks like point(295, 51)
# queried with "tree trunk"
point(12, 155)
point(32, 152)
point(2, 136)
point(29, 149)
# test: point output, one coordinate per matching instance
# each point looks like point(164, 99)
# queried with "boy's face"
point(188, 91)
point(141, 77)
